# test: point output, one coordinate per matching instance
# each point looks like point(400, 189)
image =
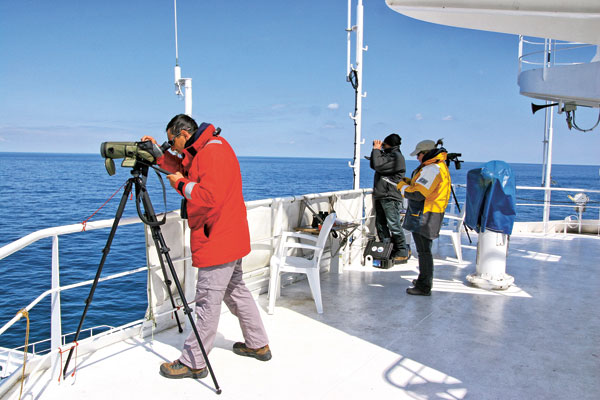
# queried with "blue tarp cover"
point(491, 198)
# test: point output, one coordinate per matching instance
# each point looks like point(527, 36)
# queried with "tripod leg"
point(164, 251)
point(160, 251)
point(105, 252)
point(161, 248)
point(188, 311)
point(458, 207)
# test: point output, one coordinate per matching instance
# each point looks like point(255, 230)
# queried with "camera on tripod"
point(453, 157)
point(146, 153)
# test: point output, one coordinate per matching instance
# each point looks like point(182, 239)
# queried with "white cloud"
point(419, 116)
point(333, 106)
point(448, 118)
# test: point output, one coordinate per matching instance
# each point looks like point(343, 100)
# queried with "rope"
point(84, 223)
point(60, 351)
point(25, 313)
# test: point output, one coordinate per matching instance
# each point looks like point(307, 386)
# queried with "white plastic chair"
point(282, 262)
point(454, 230)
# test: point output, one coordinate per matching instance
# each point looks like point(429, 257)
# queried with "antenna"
point(185, 83)
point(176, 48)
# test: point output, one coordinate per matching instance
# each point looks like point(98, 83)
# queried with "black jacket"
point(389, 163)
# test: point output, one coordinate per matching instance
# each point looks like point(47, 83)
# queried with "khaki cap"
point(423, 145)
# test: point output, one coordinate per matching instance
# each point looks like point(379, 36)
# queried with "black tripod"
point(459, 210)
point(140, 175)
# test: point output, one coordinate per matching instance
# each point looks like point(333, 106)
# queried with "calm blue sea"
point(38, 191)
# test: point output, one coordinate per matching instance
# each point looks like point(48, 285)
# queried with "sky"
point(271, 74)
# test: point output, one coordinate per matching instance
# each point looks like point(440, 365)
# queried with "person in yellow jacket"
point(427, 192)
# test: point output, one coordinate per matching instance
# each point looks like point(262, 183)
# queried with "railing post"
point(55, 322)
point(520, 55)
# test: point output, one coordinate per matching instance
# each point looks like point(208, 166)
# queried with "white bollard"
point(492, 249)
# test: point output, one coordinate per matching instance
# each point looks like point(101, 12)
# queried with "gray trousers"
point(222, 283)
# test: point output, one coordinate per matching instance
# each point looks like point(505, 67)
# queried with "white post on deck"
point(180, 82)
point(548, 134)
point(357, 117)
point(55, 319)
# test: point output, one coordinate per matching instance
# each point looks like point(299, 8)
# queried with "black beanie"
point(393, 140)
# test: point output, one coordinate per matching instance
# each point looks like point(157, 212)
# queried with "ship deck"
point(540, 339)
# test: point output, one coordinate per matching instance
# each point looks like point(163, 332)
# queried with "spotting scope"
point(132, 153)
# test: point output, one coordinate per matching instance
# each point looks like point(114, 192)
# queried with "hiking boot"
point(417, 292)
point(177, 370)
point(262, 354)
point(400, 260)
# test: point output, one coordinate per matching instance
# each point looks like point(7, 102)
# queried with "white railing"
point(54, 291)
point(568, 222)
point(543, 53)
point(574, 221)
point(10, 357)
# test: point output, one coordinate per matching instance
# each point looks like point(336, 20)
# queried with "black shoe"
point(414, 282)
point(417, 292)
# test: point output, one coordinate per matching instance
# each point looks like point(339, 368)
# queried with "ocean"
point(39, 191)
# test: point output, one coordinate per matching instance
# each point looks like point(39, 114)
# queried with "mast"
point(356, 72)
point(180, 82)
point(548, 133)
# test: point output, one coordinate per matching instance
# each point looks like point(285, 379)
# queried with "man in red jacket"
point(208, 176)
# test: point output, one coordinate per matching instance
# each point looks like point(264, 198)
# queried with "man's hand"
point(173, 178)
point(377, 144)
point(150, 138)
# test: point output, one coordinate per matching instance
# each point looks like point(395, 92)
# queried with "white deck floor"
point(538, 340)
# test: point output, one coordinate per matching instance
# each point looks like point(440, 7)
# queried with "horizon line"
point(308, 157)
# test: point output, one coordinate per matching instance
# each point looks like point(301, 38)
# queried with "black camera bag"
point(381, 253)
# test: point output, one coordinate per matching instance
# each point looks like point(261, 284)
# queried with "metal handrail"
point(554, 48)
point(547, 204)
point(54, 232)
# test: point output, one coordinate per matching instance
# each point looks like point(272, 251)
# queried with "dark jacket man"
point(388, 162)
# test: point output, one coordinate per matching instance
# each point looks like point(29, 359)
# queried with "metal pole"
point(359, 70)
point(545, 142)
point(179, 81)
point(188, 96)
point(176, 49)
point(348, 40)
point(520, 54)
point(549, 131)
point(55, 320)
